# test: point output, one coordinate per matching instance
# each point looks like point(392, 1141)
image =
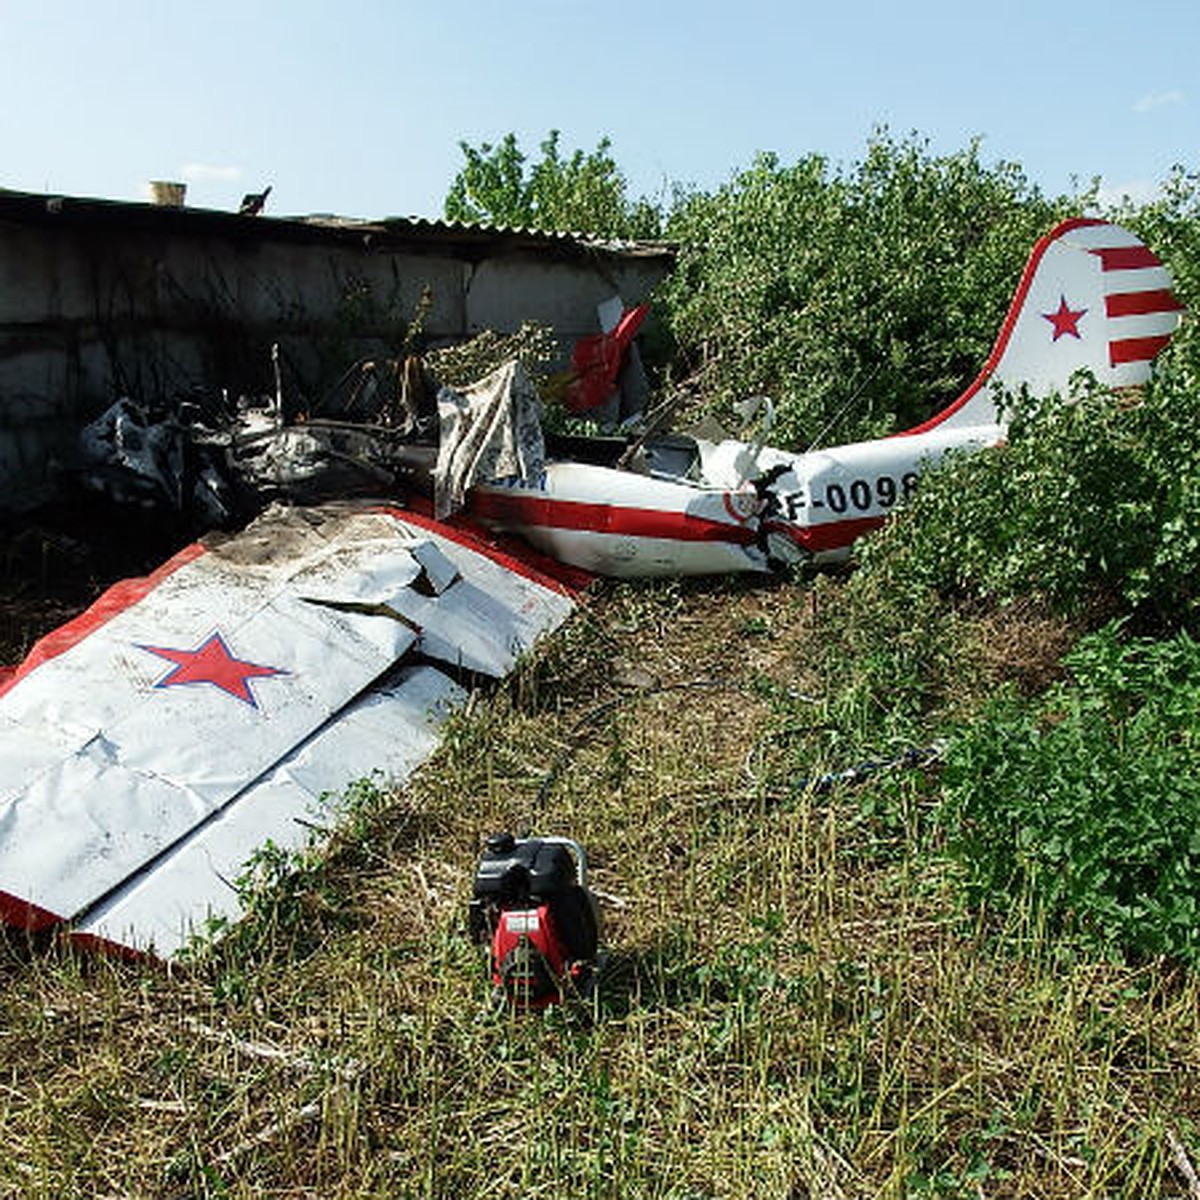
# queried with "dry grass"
point(795, 1006)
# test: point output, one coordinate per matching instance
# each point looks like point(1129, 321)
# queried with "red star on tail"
point(211, 662)
point(1065, 320)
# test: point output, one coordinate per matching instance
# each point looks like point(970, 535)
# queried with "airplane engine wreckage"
point(149, 746)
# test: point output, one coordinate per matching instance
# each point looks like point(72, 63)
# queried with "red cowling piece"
point(596, 361)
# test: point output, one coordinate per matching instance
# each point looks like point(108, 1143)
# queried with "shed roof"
point(411, 234)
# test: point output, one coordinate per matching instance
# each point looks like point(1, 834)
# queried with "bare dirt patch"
point(55, 561)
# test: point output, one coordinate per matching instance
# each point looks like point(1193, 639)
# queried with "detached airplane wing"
point(149, 747)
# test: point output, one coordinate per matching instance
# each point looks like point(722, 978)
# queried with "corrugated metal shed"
point(469, 242)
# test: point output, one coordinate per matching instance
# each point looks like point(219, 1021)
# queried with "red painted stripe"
point(836, 534)
point(517, 508)
point(1143, 349)
point(116, 600)
point(1125, 258)
point(1137, 304)
point(21, 914)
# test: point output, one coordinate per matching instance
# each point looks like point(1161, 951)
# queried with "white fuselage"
point(628, 524)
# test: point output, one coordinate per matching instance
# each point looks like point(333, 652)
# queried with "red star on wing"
point(1065, 320)
point(211, 662)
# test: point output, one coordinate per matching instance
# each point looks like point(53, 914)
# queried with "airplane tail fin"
point(1092, 297)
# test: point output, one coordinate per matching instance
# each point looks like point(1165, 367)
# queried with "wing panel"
point(123, 741)
point(394, 729)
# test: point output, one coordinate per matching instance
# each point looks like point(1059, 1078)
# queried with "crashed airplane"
point(1092, 297)
point(151, 745)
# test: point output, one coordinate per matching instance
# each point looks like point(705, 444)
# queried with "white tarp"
point(489, 432)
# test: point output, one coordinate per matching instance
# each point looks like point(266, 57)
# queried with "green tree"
point(576, 193)
point(860, 299)
point(1093, 495)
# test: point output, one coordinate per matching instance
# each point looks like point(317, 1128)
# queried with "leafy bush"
point(1082, 807)
point(1067, 505)
point(1086, 803)
point(861, 300)
point(1096, 497)
point(579, 193)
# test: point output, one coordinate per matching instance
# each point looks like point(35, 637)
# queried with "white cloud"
point(1153, 100)
point(1137, 191)
point(210, 173)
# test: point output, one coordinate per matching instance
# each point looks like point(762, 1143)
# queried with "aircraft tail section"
point(1092, 297)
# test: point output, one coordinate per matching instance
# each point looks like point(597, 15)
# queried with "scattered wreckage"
point(150, 746)
point(1092, 297)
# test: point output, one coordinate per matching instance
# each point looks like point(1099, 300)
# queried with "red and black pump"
point(532, 906)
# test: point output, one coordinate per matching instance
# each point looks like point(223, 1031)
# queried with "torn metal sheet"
point(174, 698)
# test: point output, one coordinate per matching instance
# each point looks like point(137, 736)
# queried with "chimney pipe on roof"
point(169, 195)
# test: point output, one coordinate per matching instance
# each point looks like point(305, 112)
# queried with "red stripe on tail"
point(1143, 349)
point(1125, 258)
point(1137, 304)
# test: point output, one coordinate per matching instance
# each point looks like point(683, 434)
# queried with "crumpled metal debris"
point(218, 463)
point(150, 457)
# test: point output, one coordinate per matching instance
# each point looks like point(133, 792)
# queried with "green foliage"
point(1095, 497)
point(1170, 225)
point(860, 299)
point(1086, 803)
point(463, 363)
point(579, 193)
point(894, 657)
point(1069, 504)
point(1078, 809)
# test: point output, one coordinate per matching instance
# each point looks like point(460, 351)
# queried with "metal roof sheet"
point(461, 238)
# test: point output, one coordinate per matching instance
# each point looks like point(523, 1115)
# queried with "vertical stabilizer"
point(1092, 297)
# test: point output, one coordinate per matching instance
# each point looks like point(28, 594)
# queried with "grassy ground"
point(795, 1006)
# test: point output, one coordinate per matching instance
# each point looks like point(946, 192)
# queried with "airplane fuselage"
point(629, 524)
point(825, 499)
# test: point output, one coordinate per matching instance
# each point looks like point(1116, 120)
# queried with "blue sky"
point(357, 107)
